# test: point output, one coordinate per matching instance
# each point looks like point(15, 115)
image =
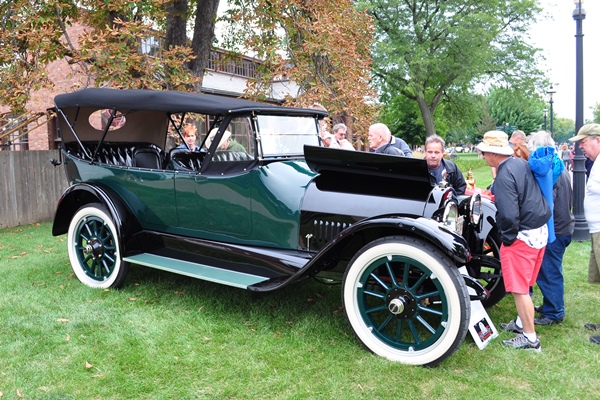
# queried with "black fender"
point(451, 243)
point(80, 194)
point(352, 239)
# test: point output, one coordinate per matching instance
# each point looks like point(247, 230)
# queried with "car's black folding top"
point(170, 101)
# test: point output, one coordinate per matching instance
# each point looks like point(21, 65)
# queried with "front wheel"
point(94, 248)
point(406, 301)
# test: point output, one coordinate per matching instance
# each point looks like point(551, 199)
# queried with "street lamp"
point(545, 115)
point(551, 92)
point(581, 231)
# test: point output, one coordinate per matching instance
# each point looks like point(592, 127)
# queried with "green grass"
point(165, 336)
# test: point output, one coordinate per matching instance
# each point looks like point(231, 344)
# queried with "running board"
point(200, 271)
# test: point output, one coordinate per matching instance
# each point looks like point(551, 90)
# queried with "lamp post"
point(581, 231)
point(550, 93)
point(545, 115)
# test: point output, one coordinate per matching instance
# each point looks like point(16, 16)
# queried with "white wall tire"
point(406, 301)
point(95, 248)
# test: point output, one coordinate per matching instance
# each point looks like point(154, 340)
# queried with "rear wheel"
point(406, 301)
point(95, 248)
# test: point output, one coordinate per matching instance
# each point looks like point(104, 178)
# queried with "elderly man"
point(589, 142)
point(441, 169)
point(522, 213)
point(339, 140)
point(379, 140)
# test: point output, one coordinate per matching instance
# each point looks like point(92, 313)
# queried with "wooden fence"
point(30, 186)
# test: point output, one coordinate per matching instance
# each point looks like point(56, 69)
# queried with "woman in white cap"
point(522, 213)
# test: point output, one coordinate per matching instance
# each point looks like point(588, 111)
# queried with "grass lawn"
point(165, 336)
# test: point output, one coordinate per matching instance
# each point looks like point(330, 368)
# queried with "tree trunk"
point(427, 114)
point(175, 35)
point(204, 32)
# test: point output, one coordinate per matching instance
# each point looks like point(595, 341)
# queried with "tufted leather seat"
point(185, 160)
point(141, 155)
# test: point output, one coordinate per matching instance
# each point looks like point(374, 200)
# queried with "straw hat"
point(495, 142)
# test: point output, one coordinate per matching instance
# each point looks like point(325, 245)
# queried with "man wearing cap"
point(522, 213)
point(589, 142)
point(224, 139)
point(327, 138)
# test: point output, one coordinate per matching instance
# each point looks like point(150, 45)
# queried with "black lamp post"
point(550, 93)
point(545, 115)
point(581, 229)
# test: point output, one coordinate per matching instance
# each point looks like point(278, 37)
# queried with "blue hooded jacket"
point(542, 164)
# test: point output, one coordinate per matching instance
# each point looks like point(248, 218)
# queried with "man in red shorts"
point(522, 213)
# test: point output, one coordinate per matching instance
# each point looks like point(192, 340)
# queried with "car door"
point(215, 203)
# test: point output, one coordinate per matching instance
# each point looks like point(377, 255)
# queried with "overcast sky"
point(556, 36)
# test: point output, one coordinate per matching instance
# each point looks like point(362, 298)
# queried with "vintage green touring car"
point(261, 204)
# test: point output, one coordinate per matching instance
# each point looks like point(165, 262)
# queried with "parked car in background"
point(277, 209)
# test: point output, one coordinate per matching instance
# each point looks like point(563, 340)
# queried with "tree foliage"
point(322, 46)
point(35, 33)
point(434, 51)
point(516, 108)
point(596, 113)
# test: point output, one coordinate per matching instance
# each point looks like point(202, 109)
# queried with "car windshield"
point(285, 136)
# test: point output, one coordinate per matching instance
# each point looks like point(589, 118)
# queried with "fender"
point(451, 243)
point(81, 194)
point(348, 242)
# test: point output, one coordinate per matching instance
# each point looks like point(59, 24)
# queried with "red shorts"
point(520, 266)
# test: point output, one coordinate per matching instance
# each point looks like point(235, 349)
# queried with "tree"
point(564, 128)
point(402, 116)
point(321, 46)
point(596, 113)
point(34, 34)
point(434, 50)
point(516, 108)
point(30, 37)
